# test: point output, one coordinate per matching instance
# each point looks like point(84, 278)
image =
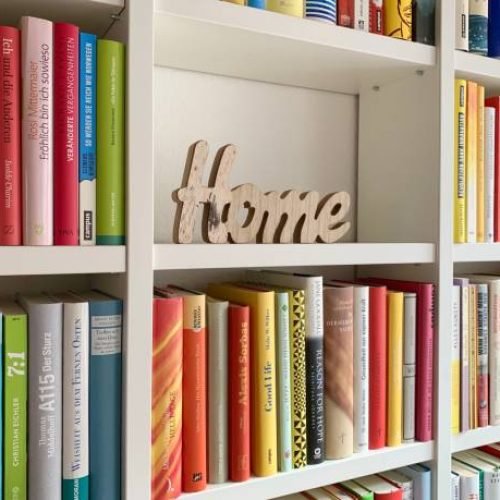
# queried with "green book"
point(110, 143)
point(15, 375)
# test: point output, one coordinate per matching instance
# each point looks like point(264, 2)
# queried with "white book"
point(409, 365)
point(455, 359)
point(462, 24)
point(489, 172)
point(455, 486)
point(490, 473)
point(402, 480)
point(469, 480)
point(361, 15)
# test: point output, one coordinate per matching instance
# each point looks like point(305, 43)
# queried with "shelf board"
point(211, 36)
point(475, 438)
point(476, 252)
point(89, 15)
point(227, 256)
point(17, 261)
point(484, 70)
point(329, 472)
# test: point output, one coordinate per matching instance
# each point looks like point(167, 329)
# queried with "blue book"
point(421, 476)
point(478, 27)
point(87, 138)
point(494, 29)
point(258, 4)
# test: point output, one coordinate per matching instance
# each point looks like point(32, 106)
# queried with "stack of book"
point(299, 370)
point(476, 187)
point(405, 19)
point(475, 352)
point(61, 394)
point(61, 136)
point(407, 483)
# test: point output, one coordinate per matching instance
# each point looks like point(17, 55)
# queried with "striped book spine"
point(322, 10)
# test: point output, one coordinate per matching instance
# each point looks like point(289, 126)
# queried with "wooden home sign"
point(273, 217)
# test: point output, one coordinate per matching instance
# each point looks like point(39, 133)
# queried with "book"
point(494, 102)
point(471, 163)
point(263, 432)
point(257, 4)
point(45, 362)
point(489, 471)
point(345, 13)
point(478, 27)
point(166, 411)
point(357, 490)
point(398, 18)
point(66, 92)
point(460, 161)
point(238, 2)
point(15, 379)
point(1, 404)
point(464, 354)
point(462, 25)
point(409, 365)
point(37, 130)
point(469, 480)
point(110, 143)
point(421, 477)
point(376, 17)
point(87, 138)
point(482, 355)
point(381, 488)
point(239, 392)
point(361, 15)
point(423, 22)
point(455, 486)
point(480, 196)
point(455, 360)
point(493, 29)
point(339, 379)
point(473, 356)
point(289, 7)
point(313, 289)
point(321, 10)
point(105, 403)
point(489, 173)
point(217, 383)
point(317, 494)
point(337, 492)
point(401, 480)
point(10, 137)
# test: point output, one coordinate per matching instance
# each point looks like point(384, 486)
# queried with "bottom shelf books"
point(285, 370)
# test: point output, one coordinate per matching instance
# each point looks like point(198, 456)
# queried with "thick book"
point(377, 16)
point(482, 355)
point(10, 137)
point(398, 18)
point(87, 138)
point(381, 488)
point(37, 130)
point(217, 390)
point(105, 403)
point(459, 216)
point(489, 173)
point(455, 360)
point(471, 163)
point(494, 29)
point(409, 365)
point(361, 15)
point(289, 7)
point(264, 433)
point(110, 143)
point(473, 359)
point(345, 13)
point(313, 288)
point(478, 26)
point(469, 480)
point(15, 399)
point(239, 392)
point(45, 361)
point(462, 24)
point(321, 10)
point(421, 476)
point(339, 378)
point(425, 349)
point(480, 196)
point(423, 23)
point(166, 411)
point(66, 91)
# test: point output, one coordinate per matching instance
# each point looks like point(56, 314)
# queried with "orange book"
point(166, 414)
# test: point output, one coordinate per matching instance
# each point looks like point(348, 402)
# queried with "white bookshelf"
point(476, 437)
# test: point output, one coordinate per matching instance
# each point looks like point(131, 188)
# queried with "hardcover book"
point(421, 477)
point(494, 102)
point(459, 218)
point(478, 26)
point(489, 173)
point(290, 7)
point(469, 479)
point(345, 13)
point(322, 10)
point(398, 18)
point(381, 488)
point(494, 29)
point(480, 196)
point(361, 15)
point(409, 365)
point(462, 24)
point(455, 360)
point(376, 17)
point(473, 360)
point(482, 355)
point(471, 163)
point(423, 25)
point(1, 405)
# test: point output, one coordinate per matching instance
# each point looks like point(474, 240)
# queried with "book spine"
point(480, 197)
point(409, 365)
point(361, 375)
point(478, 27)
point(489, 173)
point(105, 399)
point(462, 24)
point(166, 415)
point(37, 131)
point(257, 4)
point(471, 162)
point(395, 368)
point(482, 355)
point(361, 15)
point(377, 367)
point(464, 381)
point(376, 17)
point(398, 18)
point(455, 487)
point(289, 7)
point(459, 174)
point(217, 324)
point(10, 137)
point(15, 402)
point(473, 356)
point(194, 453)
point(239, 392)
point(338, 307)
point(494, 29)
point(345, 13)
point(110, 143)
point(423, 25)
point(2, 387)
point(87, 138)
point(455, 362)
point(298, 379)
point(469, 487)
point(494, 102)
point(66, 82)
point(75, 462)
point(494, 352)
point(323, 10)
point(284, 394)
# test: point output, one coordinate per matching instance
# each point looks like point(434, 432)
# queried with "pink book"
point(425, 350)
point(37, 130)
point(66, 184)
point(10, 137)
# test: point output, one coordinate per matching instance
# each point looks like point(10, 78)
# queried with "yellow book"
point(239, 2)
point(471, 164)
point(459, 176)
point(395, 301)
point(473, 356)
point(290, 7)
point(264, 433)
point(398, 18)
point(480, 216)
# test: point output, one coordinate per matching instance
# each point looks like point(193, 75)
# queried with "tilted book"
point(459, 222)
point(480, 197)
point(471, 164)
point(462, 24)
point(489, 173)
point(478, 26)
point(409, 365)
point(455, 360)
point(398, 18)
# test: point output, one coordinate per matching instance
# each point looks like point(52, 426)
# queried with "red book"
point(376, 16)
point(425, 350)
point(492, 449)
point(239, 393)
point(10, 137)
point(494, 102)
point(345, 13)
point(66, 186)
